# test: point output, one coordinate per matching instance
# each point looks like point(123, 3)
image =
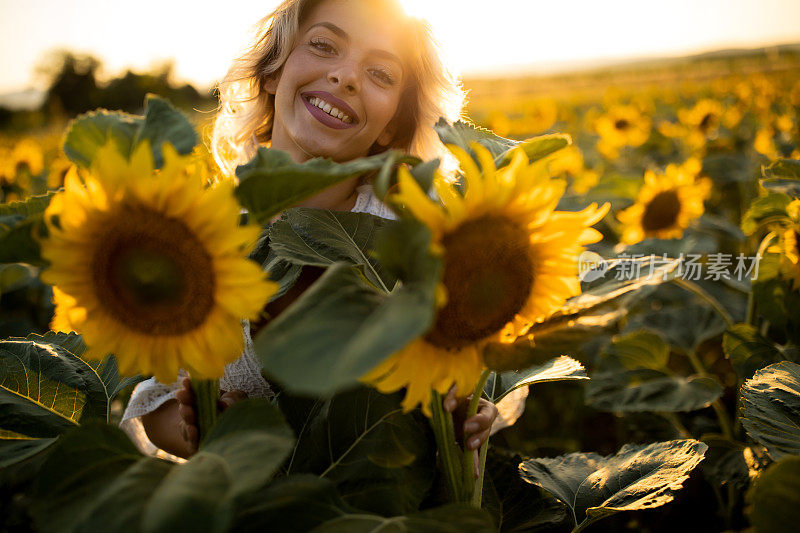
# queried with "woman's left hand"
point(475, 430)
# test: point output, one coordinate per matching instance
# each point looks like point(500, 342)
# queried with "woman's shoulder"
point(367, 202)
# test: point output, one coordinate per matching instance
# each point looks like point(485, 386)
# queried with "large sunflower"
point(150, 266)
point(666, 204)
point(509, 260)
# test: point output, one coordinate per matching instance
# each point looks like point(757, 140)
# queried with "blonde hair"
point(246, 109)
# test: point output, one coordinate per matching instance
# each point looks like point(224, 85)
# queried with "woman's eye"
point(383, 76)
point(323, 46)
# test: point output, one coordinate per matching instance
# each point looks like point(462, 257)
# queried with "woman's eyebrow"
point(343, 35)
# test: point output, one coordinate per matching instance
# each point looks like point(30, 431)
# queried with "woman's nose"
point(344, 77)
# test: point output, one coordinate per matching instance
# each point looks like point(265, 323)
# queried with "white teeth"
point(329, 109)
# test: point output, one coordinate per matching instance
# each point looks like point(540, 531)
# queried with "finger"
point(192, 435)
point(478, 422)
point(476, 441)
point(230, 398)
point(450, 401)
point(187, 413)
point(476, 461)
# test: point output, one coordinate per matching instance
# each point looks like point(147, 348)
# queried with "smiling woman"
point(311, 57)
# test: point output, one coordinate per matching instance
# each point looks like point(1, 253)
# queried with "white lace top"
point(245, 373)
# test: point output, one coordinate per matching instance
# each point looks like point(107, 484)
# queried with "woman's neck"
point(339, 197)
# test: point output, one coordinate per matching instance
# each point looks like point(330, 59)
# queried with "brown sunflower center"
point(151, 273)
point(707, 122)
point(622, 124)
point(662, 211)
point(488, 273)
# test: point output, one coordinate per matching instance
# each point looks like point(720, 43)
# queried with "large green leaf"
point(297, 503)
point(579, 320)
point(639, 349)
point(770, 404)
point(342, 327)
point(15, 448)
point(447, 519)
point(381, 460)
point(82, 464)
point(749, 351)
point(20, 222)
point(563, 368)
point(725, 462)
point(515, 505)
point(161, 123)
point(636, 477)
point(95, 478)
point(15, 276)
point(272, 182)
point(320, 237)
point(42, 388)
point(683, 325)
point(463, 134)
point(775, 497)
point(650, 390)
point(783, 176)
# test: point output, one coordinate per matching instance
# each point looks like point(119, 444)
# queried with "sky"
point(478, 36)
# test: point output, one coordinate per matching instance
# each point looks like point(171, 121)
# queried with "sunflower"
point(666, 204)
point(789, 246)
point(150, 266)
point(509, 260)
point(701, 121)
point(623, 125)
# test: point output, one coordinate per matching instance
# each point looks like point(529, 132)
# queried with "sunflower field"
point(617, 269)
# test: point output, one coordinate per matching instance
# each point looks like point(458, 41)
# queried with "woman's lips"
point(324, 117)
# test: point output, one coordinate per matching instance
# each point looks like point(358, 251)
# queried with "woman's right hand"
point(187, 409)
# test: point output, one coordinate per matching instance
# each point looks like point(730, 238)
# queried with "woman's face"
point(346, 62)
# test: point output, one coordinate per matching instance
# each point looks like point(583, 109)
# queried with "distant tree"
point(73, 85)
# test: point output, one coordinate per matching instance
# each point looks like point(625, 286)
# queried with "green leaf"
point(297, 503)
point(749, 351)
point(782, 176)
point(272, 182)
point(102, 381)
point(775, 497)
point(725, 463)
point(683, 325)
point(16, 275)
point(514, 504)
point(650, 390)
point(381, 460)
point(42, 388)
point(253, 439)
point(637, 477)
point(342, 327)
point(450, 518)
point(14, 450)
point(320, 237)
point(165, 124)
point(765, 210)
point(563, 368)
point(579, 320)
point(770, 404)
point(387, 177)
point(640, 349)
point(161, 123)
point(19, 224)
point(83, 463)
point(463, 134)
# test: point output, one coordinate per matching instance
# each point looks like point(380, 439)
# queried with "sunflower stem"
point(713, 302)
point(751, 302)
point(446, 443)
point(467, 462)
point(206, 392)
